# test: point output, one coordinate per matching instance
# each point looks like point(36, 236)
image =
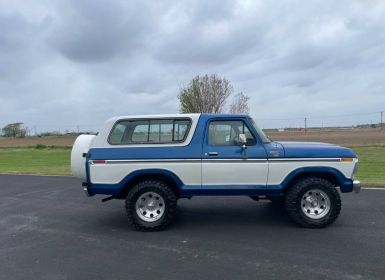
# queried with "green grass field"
point(371, 169)
point(56, 161)
point(50, 161)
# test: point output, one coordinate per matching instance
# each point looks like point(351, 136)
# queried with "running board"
point(108, 198)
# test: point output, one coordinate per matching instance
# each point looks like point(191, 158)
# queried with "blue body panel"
point(197, 149)
point(315, 150)
point(186, 152)
point(256, 151)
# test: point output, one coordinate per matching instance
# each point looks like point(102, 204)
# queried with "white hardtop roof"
point(101, 140)
point(160, 116)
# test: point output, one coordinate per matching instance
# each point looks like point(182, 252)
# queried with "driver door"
point(226, 164)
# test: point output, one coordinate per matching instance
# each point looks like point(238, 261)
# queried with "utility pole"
point(305, 125)
point(381, 120)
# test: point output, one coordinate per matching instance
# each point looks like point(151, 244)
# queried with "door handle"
point(213, 153)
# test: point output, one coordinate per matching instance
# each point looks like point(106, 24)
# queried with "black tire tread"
point(295, 193)
point(170, 199)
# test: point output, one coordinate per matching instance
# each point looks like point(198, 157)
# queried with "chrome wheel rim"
point(315, 204)
point(150, 207)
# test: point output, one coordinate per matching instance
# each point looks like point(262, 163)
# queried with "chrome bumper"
point(356, 186)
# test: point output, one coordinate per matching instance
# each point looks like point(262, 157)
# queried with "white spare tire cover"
point(78, 162)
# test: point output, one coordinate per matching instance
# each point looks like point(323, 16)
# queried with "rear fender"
point(121, 189)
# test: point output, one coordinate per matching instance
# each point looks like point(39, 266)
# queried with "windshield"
point(260, 132)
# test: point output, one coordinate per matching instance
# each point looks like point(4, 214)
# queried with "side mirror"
point(242, 140)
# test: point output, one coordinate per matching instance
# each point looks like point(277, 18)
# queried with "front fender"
point(345, 184)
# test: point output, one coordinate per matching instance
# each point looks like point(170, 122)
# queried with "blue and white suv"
point(152, 161)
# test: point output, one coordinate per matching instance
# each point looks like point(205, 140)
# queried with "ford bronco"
point(152, 161)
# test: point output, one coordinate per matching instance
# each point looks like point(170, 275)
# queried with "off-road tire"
point(163, 190)
point(293, 202)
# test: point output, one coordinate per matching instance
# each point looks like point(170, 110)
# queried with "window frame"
point(256, 139)
point(149, 125)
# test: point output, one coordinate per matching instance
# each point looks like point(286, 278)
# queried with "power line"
point(321, 117)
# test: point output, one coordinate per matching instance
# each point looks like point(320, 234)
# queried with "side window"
point(180, 129)
point(117, 133)
point(149, 131)
point(250, 141)
point(225, 133)
point(161, 131)
point(139, 132)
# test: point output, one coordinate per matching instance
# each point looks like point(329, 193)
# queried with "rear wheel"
point(313, 202)
point(151, 206)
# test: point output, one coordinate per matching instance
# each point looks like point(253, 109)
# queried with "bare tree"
point(205, 94)
point(240, 104)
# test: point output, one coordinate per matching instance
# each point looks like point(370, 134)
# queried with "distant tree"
point(22, 132)
point(240, 104)
point(13, 130)
point(205, 94)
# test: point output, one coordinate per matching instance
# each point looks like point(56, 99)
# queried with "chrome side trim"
point(178, 160)
point(223, 160)
point(232, 160)
point(304, 159)
point(152, 160)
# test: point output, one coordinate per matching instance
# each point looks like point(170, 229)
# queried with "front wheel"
point(151, 206)
point(313, 202)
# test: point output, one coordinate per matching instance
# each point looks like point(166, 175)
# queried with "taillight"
point(99, 161)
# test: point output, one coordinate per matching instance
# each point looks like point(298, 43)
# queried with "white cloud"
point(79, 62)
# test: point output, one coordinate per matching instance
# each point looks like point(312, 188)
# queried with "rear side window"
point(117, 133)
point(181, 128)
point(139, 132)
point(157, 131)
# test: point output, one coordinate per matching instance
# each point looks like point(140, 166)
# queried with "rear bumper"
point(87, 192)
point(356, 186)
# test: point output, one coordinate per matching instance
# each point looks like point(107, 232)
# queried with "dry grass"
point(33, 141)
point(345, 137)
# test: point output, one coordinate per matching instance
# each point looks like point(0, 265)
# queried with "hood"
point(315, 150)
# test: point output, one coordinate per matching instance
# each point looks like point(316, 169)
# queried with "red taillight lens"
point(98, 161)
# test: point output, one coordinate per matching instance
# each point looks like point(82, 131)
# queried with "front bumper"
point(356, 186)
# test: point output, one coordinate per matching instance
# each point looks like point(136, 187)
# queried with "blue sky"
point(68, 63)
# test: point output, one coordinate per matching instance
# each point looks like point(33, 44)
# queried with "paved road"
point(50, 230)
